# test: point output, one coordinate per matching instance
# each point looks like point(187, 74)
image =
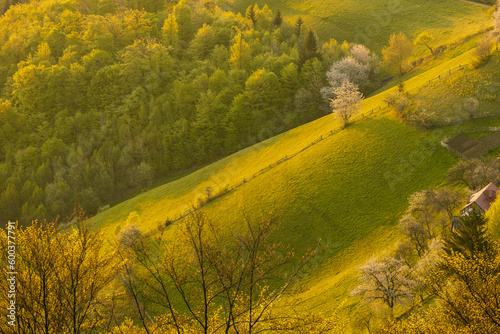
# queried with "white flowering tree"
point(348, 69)
point(359, 67)
point(347, 101)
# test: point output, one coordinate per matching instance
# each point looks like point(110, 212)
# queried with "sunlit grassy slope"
point(348, 190)
point(170, 200)
point(372, 22)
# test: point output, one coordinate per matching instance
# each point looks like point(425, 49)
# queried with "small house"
point(481, 200)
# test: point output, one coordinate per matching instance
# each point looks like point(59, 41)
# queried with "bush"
point(482, 51)
point(471, 104)
point(398, 102)
point(130, 235)
point(421, 116)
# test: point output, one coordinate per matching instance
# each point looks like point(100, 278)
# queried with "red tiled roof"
point(484, 197)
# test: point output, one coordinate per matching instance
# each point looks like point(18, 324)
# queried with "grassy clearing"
point(478, 135)
point(372, 22)
point(449, 95)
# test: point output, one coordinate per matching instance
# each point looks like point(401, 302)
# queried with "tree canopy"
point(104, 98)
point(398, 51)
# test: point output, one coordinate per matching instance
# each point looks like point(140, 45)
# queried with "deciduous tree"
point(398, 51)
point(483, 49)
point(424, 39)
point(170, 30)
point(60, 279)
point(347, 101)
point(240, 51)
point(205, 269)
point(203, 43)
point(493, 216)
point(475, 173)
point(348, 69)
point(385, 280)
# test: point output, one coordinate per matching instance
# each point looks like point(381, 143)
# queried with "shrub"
point(471, 104)
point(398, 102)
point(422, 116)
point(482, 51)
point(130, 235)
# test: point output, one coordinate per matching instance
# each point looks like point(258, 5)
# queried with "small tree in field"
point(398, 51)
point(424, 39)
point(347, 101)
point(385, 280)
point(483, 50)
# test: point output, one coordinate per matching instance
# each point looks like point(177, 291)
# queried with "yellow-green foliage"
point(61, 276)
point(467, 297)
point(493, 216)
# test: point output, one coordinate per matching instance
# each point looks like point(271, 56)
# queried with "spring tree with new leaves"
point(398, 51)
point(61, 279)
point(424, 39)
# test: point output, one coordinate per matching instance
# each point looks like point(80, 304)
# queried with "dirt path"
point(477, 3)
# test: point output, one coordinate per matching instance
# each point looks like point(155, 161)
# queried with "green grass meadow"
point(372, 22)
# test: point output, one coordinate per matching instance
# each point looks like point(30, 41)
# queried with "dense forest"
point(100, 98)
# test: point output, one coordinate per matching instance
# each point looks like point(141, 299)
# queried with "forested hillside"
point(99, 98)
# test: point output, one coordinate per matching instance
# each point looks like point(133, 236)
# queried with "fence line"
point(360, 116)
point(440, 77)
